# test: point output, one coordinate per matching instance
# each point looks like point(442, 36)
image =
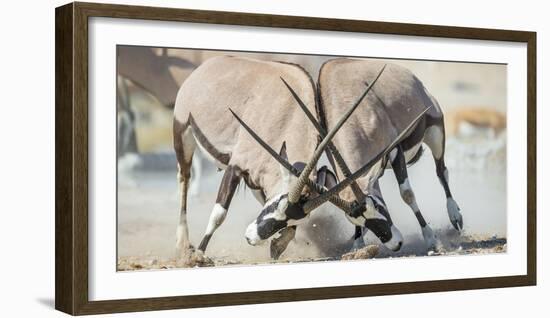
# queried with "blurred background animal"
point(147, 86)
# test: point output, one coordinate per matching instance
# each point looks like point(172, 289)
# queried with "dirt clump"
point(364, 253)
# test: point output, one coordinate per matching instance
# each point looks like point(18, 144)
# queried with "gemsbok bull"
point(390, 125)
point(201, 119)
point(397, 98)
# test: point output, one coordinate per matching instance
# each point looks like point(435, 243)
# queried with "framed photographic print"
point(219, 158)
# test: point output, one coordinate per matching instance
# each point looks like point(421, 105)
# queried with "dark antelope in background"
point(150, 72)
point(141, 69)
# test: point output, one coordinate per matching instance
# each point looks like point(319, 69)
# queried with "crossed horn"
point(303, 180)
point(342, 204)
point(359, 195)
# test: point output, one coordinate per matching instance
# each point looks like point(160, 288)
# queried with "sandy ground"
point(148, 215)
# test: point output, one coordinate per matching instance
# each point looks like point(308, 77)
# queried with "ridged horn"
point(296, 190)
point(359, 195)
point(316, 202)
point(336, 200)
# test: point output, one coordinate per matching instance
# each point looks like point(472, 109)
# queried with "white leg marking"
point(182, 234)
point(217, 216)
point(196, 171)
point(409, 198)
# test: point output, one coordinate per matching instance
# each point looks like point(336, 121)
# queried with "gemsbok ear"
point(282, 152)
point(285, 174)
point(326, 178)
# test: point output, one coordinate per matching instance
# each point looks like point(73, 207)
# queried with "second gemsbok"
point(389, 125)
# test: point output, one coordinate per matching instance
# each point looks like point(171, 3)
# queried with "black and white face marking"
point(376, 218)
point(277, 214)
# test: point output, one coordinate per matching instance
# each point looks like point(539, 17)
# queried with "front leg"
point(399, 167)
point(230, 182)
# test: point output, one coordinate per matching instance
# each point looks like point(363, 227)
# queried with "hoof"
point(454, 214)
point(396, 241)
point(184, 256)
point(193, 258)
point(429, 238)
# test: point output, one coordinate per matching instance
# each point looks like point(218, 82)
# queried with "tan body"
point(479, 117)
point(254, 91)
point(395, 101)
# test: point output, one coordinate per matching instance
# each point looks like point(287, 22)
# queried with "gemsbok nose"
point(251, 234)
point(396, 240)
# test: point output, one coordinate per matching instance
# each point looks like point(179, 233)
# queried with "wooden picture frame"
point(71, 222)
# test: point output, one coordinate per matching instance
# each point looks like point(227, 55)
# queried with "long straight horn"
point(316, 202)
point(322, 133)
point(296, 190)
point(262, 143)
point(336, 200)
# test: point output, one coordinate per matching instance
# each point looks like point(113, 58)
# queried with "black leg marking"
point(358, 233)
point(420, 219)
point(399, 166)
point(435, 139)
point(204, 242)
point(442, 174)
point(230, 182)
